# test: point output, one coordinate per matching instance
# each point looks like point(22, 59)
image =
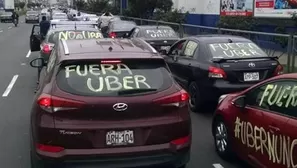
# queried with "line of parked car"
point(114, 93)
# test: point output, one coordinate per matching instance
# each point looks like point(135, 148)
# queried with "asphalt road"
point(17, 82)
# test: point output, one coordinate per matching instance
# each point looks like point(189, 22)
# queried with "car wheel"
point(195, 98)
point(221, 139)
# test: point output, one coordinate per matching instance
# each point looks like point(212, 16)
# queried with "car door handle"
point(274, 128)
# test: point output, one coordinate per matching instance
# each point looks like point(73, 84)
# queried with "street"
point(17, 84)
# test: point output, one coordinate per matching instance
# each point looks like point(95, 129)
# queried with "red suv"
point(258, 124)
point(108, 102)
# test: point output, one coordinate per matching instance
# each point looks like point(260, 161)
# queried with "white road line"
point(9, 27)
point(28, 54)
point(217, 165)
point(23, 63)
point(1, 31)
point(10, 86)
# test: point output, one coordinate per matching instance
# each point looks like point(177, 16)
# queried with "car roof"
point(89, 49)
point(218, 38)
point(153, 26)
point(72, 28)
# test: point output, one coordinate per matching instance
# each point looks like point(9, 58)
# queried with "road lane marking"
point(23, 63)
point(10, 86)
point(28, 54)
point(217, 165)
point(9, 27)
point(1, 31)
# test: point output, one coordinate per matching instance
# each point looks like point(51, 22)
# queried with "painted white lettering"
point(68, 69)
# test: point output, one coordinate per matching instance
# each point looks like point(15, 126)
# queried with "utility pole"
point(121, 7)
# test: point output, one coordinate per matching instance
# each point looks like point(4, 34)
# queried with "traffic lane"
point(9, 25)
point(14, 46)
point(16, 85)
point(11, 33)
point(203, 150)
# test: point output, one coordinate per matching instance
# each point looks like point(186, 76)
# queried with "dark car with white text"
point(258, 125)
point(209, 66)
point(108, 103)
point(119, 29)
point(160, 37)
point(66, 30)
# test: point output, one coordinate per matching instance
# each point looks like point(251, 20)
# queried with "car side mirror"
point(240, 102)
point(37, 63)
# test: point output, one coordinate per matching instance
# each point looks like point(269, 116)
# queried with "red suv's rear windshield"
point(114, 79)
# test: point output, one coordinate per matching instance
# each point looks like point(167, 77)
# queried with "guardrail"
point(283, 46)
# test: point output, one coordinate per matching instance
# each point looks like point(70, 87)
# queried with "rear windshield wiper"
point(220, 60)
point(133, 91)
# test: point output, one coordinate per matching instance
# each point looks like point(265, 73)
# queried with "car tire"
point(221, 139)
point(195, 101)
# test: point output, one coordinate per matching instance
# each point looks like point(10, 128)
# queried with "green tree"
point(146, 8)
point(80, 4)
point(22, 5)
point(98, 6)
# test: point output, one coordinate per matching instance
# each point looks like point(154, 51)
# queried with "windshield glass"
point(123, 26)
point(235, 50)
point(117, 79)
point(75, 34)
point(32, 13)
point(160, 33)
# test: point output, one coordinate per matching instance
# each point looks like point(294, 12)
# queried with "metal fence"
point(283, 46)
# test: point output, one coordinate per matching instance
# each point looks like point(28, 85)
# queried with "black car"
point(160, 37)
point(119, 29)
point(209, 66)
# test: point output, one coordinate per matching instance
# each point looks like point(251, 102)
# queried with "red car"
point(259, 124)
point(108, 103)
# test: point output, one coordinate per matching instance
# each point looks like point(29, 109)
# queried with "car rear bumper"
point(220, 87)
point(153, 158)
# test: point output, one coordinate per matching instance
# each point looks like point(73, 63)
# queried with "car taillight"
point(110, 61)
point(214, 72)
point(53, 104)
point(112, 35)
point(179, 99)
point(181, 141)
point(278, 70)
point(49, 148)
point(46, 49)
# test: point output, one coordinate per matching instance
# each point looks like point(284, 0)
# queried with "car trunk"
point(119, 34)
point(251, 71)
point(161, 44)
point(97, 122)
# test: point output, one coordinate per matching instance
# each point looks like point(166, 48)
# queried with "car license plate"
point(115, 138)
point(165, 48)
point(252, 76)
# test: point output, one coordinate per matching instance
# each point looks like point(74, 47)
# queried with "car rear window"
point(236, 50)
point(75, 34)
point(160, 33)
point(123, 26)
point(114, 79)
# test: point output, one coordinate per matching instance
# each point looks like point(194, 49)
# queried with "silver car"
point(32, 16)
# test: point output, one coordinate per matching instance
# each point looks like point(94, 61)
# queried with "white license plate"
point(165, 48)
point(115, 138)
point(252, 76)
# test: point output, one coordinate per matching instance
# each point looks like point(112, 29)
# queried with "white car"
point(90, 17)
point(60, 16)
